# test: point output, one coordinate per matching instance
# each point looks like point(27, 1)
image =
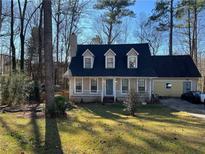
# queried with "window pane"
point(141, 85)
point(94, 85)
point(88, 63)
point(78, 85)
point(132, 62)
point(168, 85)
point(110, 62)
point(124, 85)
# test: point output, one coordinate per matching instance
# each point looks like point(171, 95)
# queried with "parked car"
point(194, 97)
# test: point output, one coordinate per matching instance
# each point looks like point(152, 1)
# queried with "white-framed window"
point(141, 85)
point(132, 62)
point(78, 85)
point(124, 86)
point(93, 85)
point(88, 62)
point(110, 62)
point(168, 85)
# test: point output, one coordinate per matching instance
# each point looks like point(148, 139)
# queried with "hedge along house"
point(97, 72)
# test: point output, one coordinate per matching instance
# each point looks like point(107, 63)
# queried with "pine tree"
point(115, 10)
point(164, 12)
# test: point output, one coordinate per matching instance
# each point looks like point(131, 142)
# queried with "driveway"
point(197, 110)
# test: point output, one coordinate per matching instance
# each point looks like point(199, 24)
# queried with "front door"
point(109, 87)
point(186, 86)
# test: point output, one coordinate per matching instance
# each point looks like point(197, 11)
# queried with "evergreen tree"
point(163, 14)
point(189, 9)
point(115, 10)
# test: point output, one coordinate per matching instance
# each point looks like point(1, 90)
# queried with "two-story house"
point(99, 71)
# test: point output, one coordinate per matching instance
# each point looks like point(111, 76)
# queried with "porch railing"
point(117, 93)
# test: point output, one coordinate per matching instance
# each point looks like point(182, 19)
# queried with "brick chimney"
point(73, 45)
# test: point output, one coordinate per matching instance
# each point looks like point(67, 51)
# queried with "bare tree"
point(49, 82)
point(12, 38)
point(22, 13)
point(72, 15)
point(147, 33)
point(58, 20)
point(0, 14)
point(40, 45)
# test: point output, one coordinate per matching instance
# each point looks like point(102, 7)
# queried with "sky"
point(87, 24)
point(141, 8)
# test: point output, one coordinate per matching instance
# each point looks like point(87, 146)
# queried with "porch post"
point(150, 88)
point(102, 89)
point(114, 89)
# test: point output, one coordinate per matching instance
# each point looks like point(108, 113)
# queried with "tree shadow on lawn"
point(38, 148)
point(106, 111)
point(20, 139)
point(52, 143)
point(158, 141)
point(52, 137)
point(152, 112)
point(148, 113)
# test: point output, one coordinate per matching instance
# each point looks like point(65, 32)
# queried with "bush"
point(15, 89)
point(132, 102)
point(60, 105)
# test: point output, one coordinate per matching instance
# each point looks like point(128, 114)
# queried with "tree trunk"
point(57, 41)
point(110, 35)
point(12, 46)
point(0, 14)
point(171, 28)
point(22, 36)
point(194, 34)
point(49, 82)
point(189, 32)
point(40, 70)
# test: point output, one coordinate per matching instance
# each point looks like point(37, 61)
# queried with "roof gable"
point(110, 52)
point(88, 53)
point(132, 52)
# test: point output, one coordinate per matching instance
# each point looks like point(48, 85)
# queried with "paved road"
point(197, 110)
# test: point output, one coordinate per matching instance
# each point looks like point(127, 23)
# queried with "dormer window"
point(88, 59)
point(88, 62)
point(132, 59)
point(110, 59)
point(110, 62)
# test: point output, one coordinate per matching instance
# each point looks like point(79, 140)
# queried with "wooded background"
point(173, 27)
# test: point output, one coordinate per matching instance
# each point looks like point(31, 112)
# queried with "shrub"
point(60, 105)
point(15, 89)
point(132, 102)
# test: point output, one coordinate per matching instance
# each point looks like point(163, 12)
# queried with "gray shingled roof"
point(148, 66)
point(175, 66)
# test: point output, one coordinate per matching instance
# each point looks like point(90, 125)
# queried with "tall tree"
point(72, 12)
point(58, 21)
point(49, 82)
point(12, 46)
point(22, 13)
point(115, 10)
point(189, 10)
point(146, 33)
point(40, 46)
point(163, 15)
point(0, 13)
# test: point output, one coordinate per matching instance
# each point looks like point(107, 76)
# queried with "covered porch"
point(97, 88)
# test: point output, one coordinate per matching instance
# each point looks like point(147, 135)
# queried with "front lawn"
point(94, 128)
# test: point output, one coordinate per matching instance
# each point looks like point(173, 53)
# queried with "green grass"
point(94, 128)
